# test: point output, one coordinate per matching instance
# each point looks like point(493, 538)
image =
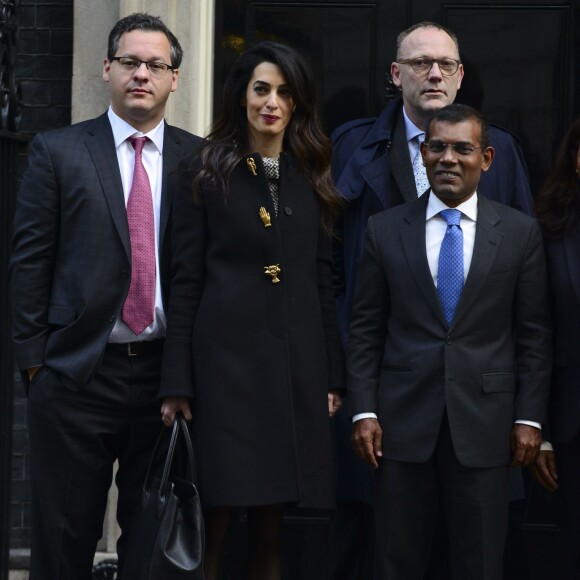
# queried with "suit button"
point(288, 210)
point(448, 339)
point(111, 318)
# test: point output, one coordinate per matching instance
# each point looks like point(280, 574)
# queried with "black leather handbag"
point(166, 538)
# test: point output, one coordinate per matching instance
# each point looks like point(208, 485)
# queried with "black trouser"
point(568, 466)
point(475, 502)
point(75, 437)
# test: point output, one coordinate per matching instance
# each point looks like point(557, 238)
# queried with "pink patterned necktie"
point(140, 302)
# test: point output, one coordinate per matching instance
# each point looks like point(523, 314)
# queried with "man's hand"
point(172, 405)
point(525, 443)
point(334, 403)
point(544, 470)
point(367, 440)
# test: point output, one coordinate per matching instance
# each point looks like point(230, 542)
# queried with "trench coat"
point(256, 349)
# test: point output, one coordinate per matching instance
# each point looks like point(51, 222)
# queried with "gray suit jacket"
point(490, 367)
point(70, 266)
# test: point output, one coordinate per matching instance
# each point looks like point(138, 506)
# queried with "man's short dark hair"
point(146, 23)
point(457, 113)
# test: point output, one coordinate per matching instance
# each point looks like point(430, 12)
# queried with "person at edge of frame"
point(558, 467)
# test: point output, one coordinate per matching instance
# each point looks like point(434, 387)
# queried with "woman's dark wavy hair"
point(304, 138)
point(558, 202)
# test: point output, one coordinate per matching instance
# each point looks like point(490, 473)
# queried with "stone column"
point(190, 107)
point(192, 21)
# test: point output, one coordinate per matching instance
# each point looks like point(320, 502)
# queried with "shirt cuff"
point(360, 416)
point(530, 423)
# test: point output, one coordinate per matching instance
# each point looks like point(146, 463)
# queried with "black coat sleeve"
point(187, 275)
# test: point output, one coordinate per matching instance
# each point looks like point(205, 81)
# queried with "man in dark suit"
point(374, 163)
point(88, 276)
point(447, 319)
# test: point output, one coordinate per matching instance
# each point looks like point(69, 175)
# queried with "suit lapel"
point(400, 162)
point(487, 242)
point(414, 246)
point(101, 146)
point(572, 253)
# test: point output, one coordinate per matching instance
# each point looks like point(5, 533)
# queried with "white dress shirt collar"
point(468, 208)
point(411, 130)
point(122, 131)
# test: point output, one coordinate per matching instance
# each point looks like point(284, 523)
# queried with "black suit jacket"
point(373, 172)
point(70, 266)
point(407, 366)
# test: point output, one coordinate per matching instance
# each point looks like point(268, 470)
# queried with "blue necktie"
point(450, 274)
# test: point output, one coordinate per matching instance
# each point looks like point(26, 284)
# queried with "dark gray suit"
point(463, 384)
point(71, 251)
point(70, 274)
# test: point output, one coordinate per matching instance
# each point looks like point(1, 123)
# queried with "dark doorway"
point(519, 57)
point(520, 69)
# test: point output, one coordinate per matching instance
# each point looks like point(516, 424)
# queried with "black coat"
point(256, 357)
point(563, 257)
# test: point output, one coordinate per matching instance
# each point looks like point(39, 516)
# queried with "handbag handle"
point(189, 447)
point(178, 425)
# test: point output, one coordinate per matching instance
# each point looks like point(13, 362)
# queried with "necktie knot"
point(420, 138)
point(451, 216)
point(138, 143)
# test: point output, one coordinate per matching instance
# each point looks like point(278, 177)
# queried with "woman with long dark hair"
point(558, 209)
point(252, 341)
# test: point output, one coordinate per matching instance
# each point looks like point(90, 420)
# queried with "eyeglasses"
point(422, 65)
point(155, 67)
point(462, 148)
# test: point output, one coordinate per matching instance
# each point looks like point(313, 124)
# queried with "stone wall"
point(44, 63)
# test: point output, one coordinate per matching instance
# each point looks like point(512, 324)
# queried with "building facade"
point(521, 62)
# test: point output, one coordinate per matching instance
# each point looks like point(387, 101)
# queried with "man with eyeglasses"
point(377, 165)
point(449, 358)
point(89, 278)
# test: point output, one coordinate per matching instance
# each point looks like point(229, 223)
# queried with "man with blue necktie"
point(449, 358)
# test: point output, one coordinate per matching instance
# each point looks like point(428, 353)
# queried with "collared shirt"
point(411, 131)
point(435, 228)
point(152, 156)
